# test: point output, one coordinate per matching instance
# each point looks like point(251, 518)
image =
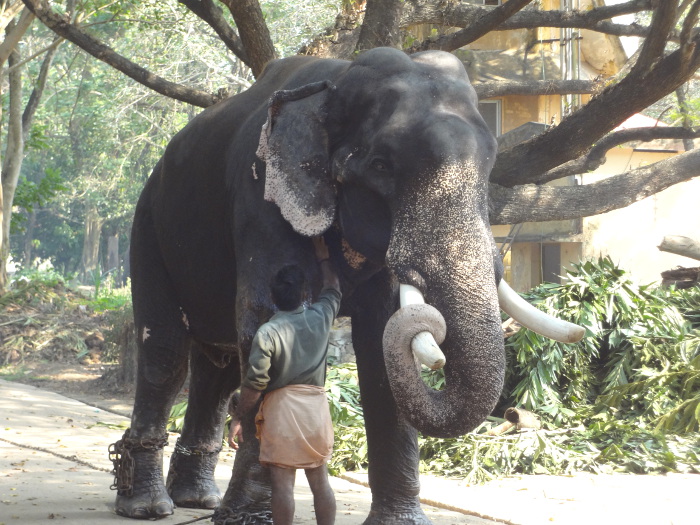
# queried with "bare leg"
point(282, 495)
point(324, 499)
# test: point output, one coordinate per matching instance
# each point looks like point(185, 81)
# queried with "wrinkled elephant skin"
point(388, 158)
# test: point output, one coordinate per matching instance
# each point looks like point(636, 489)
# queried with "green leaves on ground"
point(639, 358)
point(624, 399)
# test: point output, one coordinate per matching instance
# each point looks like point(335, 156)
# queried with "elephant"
point(387, 158)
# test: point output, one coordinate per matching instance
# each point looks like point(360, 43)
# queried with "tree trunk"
point(12, 164)
point(687, 123)
point(680, 245)
point(91, 243)
point(28, 240)
point(128, 362)
point(113, 255)
point(253, 31)
point(381, 25)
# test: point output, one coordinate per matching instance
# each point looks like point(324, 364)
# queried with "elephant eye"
point(380, 165)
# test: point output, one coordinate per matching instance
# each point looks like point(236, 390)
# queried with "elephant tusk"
point(536, 320)
point(423, 344)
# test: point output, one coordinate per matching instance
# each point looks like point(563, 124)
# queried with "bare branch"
point(14, 34)
point(535, 203)
point(57, 41)
point(487, 90)
point(487, 22)
point(662, 23)
point(62, 26)
point(214, 16)
point(598, 117)
point(596, 156)
point(39, 85)
point(466, 15)
point(9, 12)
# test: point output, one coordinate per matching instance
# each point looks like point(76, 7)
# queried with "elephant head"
point(395, 150)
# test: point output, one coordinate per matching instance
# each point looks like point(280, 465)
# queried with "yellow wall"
point(630, 236)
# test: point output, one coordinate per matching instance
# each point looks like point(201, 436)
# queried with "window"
point(485, 2)
point(551, 263)
point(491, 112)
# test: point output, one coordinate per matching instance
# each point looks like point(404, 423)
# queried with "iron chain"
point(123, 461)
point(193, 451)
point(263, 517)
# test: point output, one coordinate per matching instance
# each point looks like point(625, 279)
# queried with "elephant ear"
point(294, 146)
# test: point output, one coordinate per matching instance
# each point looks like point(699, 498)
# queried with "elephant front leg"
point(248, 496)
point(392, 443)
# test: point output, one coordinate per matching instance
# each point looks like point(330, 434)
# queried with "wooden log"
point(500, 429)
point(522, 418)
point(517, 418)
point(681, 245)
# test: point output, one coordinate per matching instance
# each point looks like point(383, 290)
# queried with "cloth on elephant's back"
point(294, 427)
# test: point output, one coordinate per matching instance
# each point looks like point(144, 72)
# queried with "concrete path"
point(54, 466)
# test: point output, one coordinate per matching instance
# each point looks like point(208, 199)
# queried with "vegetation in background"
point(45, 316)
point(624, 399)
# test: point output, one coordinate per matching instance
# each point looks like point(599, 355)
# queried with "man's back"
point(292, 345)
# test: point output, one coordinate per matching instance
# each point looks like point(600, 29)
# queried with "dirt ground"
point(51, 338)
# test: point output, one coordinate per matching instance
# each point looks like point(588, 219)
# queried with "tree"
point(16, 19)
point(665, 62)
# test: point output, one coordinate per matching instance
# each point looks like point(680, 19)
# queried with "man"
point(288, 365)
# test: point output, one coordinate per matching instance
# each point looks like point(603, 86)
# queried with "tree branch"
point(662, 23)
point(485, 90)
point(466, 15)
point(602, 114)
point(15, 33)
point(38, 91)
point(381, 24)
point(596, 155)
point(9, 12)
point(62, 26)
point(254, 33)
point(214, 16)
point(534, 203)
point(489, 19)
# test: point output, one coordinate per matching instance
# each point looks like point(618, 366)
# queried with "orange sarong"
point(294, 427)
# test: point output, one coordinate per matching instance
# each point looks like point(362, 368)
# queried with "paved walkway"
point(54, 466)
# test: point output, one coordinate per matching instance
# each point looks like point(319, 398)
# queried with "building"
point(542, 252)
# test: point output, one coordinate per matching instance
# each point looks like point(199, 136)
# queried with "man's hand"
point(330, 278)
point(235, 434)
point(320, 248)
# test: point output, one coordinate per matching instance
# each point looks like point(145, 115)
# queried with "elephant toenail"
point(211, 502)
point(163, 508)
point(139, 513)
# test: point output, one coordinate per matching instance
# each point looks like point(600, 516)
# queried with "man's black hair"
point(288, 287)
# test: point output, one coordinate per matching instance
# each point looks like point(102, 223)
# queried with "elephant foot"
point(191, 477)
point(379, 515)
point(151, 504)
point(138, 478)
point(247, 499)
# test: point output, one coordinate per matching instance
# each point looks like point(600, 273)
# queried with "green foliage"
point(30, 195)
point(624, 399)
point(350, 446)
point(177, 417)
point(637, 355)
point(33, 286)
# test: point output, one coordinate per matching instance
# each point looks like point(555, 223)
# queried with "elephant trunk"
point(459, 280)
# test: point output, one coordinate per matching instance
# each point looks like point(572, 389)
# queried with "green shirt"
point(291, 348)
